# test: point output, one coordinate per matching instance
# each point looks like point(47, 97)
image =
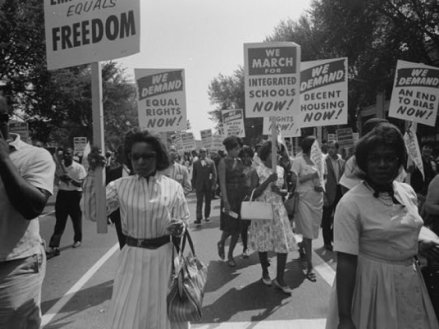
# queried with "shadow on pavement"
point(251, 297)
point(82, 300)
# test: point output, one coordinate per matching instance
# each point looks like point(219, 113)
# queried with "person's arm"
point(187, 187)
point(26, 198)
point(431, 204)
point(214, 174)
point(222, 182)
point(345, 281)
point(261, 188)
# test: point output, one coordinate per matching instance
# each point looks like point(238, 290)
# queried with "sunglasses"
point(4, 117)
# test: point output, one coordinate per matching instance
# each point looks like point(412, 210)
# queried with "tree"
point(57, 104)
point(227, 92)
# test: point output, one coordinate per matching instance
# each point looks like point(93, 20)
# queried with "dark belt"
point(148, 243)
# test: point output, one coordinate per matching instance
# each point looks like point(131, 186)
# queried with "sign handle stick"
point(273, 144)
point(98, 140)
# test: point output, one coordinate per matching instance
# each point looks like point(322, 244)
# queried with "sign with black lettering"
point(233, 122)
point(272, 75)
point(324, 93)
point(80, 32)
point(287, 126)
point(19, 128)
point(206, 138)
point(161, 99)
point(415, 94)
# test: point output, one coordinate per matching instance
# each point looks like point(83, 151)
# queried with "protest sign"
point(233, 122)
point(217, 143)
point(19, 128)
point(413, 151)
point(188, 142)
point(206, 138)
point(161, 99)
point(80, 32)
point(332, 138)
point(286, 126)
point(415, 94)
point(345, 137)
point(272, 73)
point(79, 144)
point(323, 93)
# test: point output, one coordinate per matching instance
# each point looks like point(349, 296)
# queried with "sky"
point(205, 38)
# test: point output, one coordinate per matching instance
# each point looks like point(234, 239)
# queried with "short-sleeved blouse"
point(376, 227)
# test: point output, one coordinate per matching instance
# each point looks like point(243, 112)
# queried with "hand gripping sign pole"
point(98, 140)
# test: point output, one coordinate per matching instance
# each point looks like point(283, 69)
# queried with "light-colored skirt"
point(387, 295)
point(308, 215)
point(140, 290)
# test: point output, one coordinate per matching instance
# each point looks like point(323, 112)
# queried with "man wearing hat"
point(204, 182)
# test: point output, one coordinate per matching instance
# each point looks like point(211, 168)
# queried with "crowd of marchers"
point(376, 213)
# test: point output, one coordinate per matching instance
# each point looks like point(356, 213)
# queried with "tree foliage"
point(57, 103)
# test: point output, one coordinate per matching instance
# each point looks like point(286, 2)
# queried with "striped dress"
point(142, 278)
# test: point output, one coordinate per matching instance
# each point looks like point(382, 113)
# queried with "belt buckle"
point(139, 242)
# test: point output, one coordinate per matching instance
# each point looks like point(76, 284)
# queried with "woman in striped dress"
point(153, 208)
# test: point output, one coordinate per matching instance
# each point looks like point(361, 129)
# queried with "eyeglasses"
point(4, 117)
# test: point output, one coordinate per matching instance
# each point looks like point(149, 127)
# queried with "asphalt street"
point(78, 284)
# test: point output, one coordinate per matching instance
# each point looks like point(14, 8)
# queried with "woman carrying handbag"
point(271, 235)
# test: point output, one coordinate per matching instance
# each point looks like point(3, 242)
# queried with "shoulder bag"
point(256, 210)
point(186, 289)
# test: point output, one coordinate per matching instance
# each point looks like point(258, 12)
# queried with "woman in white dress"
point(376, 227)
point(153, 208)
point(310, 204)
point(275, 235)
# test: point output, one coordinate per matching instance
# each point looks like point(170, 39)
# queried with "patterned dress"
point(273, 235)
point(389, 290)
point(142, 278)
point(236, 191)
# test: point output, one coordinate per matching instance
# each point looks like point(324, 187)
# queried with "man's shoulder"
point(36, 154)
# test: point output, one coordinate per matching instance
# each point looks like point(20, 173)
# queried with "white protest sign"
point(233, 122)
point(161, 99)
point(19, 128)
point(79, 144)
point(287, 126)
point(206, 138)
point(188, 142)
point(415, 94)
point(316, 156)
point(323, 93)
point(178, 143)
point(413, 151)
point(217, 142)
point(345, 137)
point(272, 76)
point(81, 32)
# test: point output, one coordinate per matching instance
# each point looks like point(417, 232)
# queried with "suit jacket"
point(331, 178)
point(203, 177)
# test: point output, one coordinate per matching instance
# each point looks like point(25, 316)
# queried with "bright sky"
point(205, 38)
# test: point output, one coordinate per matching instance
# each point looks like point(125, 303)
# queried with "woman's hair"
point(231, 142)
point(306, 144)
point(145, 136)
point(384, 134)
point(246, 151)
point(264, 150)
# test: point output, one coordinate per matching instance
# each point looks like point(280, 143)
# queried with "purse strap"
point(186, 236)
point(251, 196)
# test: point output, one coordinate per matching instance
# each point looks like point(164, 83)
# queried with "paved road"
point(78, 283)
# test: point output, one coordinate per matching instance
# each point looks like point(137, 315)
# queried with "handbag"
point(188, 281)
point(256, 210)
point(291, 204)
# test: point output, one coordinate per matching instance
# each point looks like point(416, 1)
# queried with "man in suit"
point(334, 165)
point(204, 182)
